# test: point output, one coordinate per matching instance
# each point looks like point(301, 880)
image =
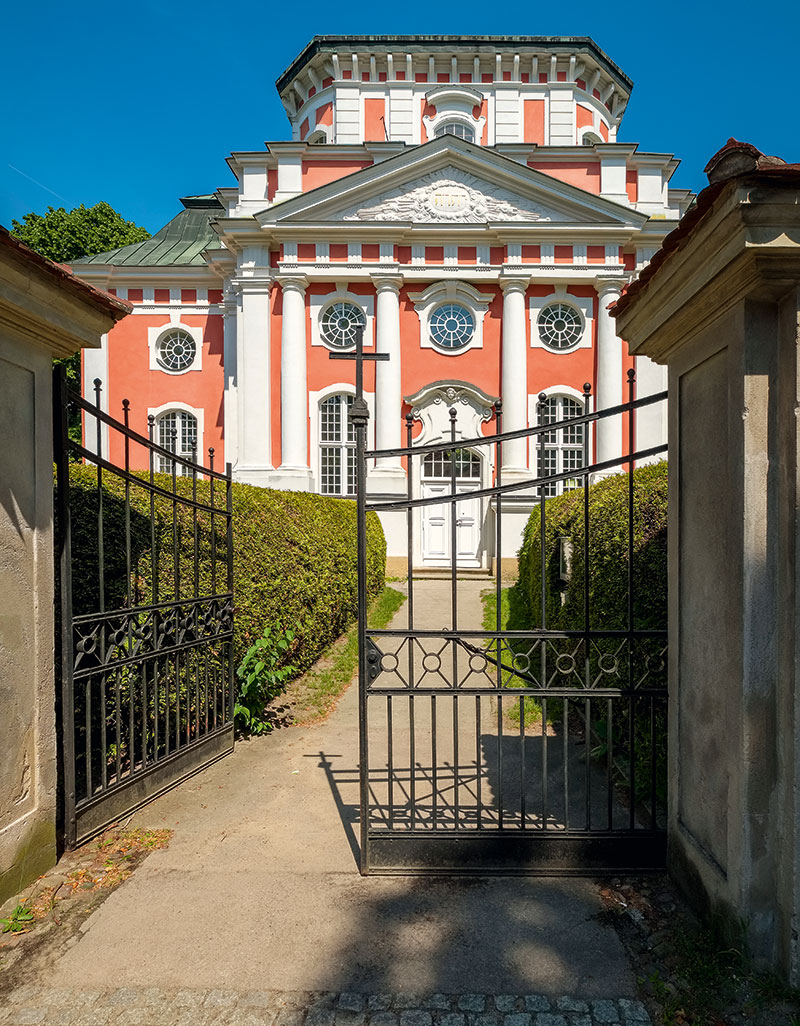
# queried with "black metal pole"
point(359, 417)
point(64, 699)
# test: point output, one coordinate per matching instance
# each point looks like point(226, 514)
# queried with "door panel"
point(436, 526)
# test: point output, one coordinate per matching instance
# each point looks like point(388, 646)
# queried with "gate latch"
point(374, 658)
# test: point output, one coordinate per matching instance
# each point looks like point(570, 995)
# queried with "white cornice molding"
point(449, 152)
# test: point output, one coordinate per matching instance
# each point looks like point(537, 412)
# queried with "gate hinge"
point(374, 658)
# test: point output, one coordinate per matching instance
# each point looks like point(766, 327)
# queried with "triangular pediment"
point(450, 181)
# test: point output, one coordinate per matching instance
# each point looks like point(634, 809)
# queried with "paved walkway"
point(257, 908)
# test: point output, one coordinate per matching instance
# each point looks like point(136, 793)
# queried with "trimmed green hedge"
point(608, 555)
point(608, 605)
point(294, 556)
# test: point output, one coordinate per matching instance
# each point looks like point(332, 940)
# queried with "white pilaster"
point(388, 474)
point(230, 397)
point(253, 456)
point(294, 471)
point(651, 421)
point(608, 389)
point(514, 376)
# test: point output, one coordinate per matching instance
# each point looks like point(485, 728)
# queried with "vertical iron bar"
point(543, 592)
point(522, 804)
point(390, 761)
point(228, 646)
point(588, 757)
point(498, 406)
point(98, 385)
point(195, 536)
point(652, 762)
point(65, 696)
point(587, 637)
point(176, 565)
point(410, 640)
point(454, 599)
point(632, 766)
point(154, 562)
point(587, 409)
point(129, 598)
point(412, 755)
point(359, 414)
point(610, 761)
point(213, 524)
point(101, 586)
point(566, 762)
point(478, 764)
point(434, 775)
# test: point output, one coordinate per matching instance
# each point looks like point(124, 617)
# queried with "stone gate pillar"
point(45, 312)
point(720, 306)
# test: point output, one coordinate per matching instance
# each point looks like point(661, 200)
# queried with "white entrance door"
point(436, 523)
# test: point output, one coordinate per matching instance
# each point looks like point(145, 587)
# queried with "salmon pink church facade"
point(465, 200)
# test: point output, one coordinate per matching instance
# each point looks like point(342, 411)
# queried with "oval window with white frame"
point(451, 326)
point(560, 326)
point(176, 350)
point(339, 322)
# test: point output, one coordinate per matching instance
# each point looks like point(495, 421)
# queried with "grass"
point(532, 709)
point(715, 983)
point(314, 695)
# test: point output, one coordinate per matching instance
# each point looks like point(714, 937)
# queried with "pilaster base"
point(386, 481)
point(292, 479)
point(261, 476)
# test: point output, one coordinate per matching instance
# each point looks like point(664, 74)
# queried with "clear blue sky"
point(140, 103)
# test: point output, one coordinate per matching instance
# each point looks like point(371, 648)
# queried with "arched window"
point(176, 430)
point(563, 448)
point(457, 128)
point(590, 139)
point(337, 446)
point(437, 464)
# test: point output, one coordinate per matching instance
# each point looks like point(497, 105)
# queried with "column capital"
point(293, 283)
point(516, 284)
point(604, 286)
point(387, 282)
point(254, 285)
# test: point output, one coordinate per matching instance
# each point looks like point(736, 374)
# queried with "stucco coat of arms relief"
point(450, 195)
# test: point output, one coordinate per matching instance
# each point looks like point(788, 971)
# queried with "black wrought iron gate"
point(533, 749)
point(144, 550)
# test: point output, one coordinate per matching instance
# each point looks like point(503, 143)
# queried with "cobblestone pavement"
point(31, 1006)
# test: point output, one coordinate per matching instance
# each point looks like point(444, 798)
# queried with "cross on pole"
point(359, 417)
point(359, 410)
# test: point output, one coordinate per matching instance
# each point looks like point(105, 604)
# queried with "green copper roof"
point(180, 242)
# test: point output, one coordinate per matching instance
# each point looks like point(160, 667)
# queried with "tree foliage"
point(67, 235)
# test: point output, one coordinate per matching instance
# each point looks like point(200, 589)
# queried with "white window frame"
point(315, 400)
point(441, 128)
point(555, 392)
point(583, 304)
point(452, 291)
point(154, 334)
point(319, 304)
point(454, 102)
point(179, 407)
